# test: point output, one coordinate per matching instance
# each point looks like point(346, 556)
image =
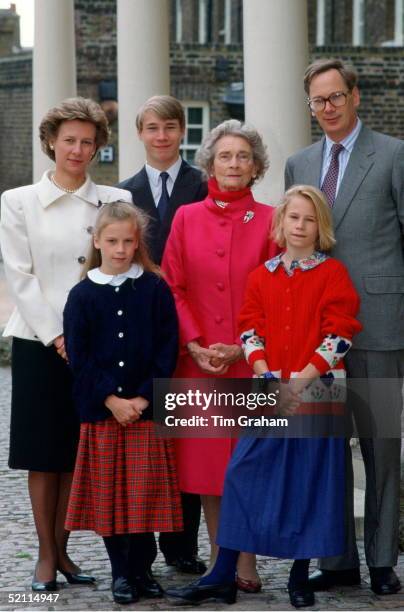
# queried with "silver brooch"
point(248, 216)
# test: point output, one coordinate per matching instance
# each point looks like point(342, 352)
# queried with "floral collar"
point(307, 263)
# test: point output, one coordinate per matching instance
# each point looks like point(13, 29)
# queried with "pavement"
point(18, 550)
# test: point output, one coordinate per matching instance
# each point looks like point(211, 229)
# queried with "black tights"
point(128, 554)
point(299, 573)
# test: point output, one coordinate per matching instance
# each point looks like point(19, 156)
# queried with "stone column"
point(143, 70)
point(275, 57)
point(54, 66)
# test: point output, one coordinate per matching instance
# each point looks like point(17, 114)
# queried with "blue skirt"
point(285, 498)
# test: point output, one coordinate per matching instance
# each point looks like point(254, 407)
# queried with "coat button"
point(220, 286)
point(220, 252)
point(121, 364)
point(120, 335)
point(81, 259)
point(119, 313)
point(218, 319)
point(116, 289)
point(119, 389)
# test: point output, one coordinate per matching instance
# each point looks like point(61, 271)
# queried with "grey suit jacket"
point(368, 220)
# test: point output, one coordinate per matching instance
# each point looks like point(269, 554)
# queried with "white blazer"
point(45, 235)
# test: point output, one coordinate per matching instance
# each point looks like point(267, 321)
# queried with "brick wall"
point(195, 74)
point(198, 72)
point(15, 121)
point(95, 23)
point(381, 83)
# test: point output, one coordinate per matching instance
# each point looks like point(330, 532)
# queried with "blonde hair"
point(81, 109)
point(122, 211)
point(165, 107)
point(326, 239)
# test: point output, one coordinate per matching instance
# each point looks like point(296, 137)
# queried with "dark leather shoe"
point(301, 596)
point(196, 592)
point(322, 580)
point(78, 578)
point(147, 585)
point(187, 565)
point(39, 586)
point(123, 592)
point(384, 580)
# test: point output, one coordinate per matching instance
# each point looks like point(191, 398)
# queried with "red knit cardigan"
point(294, 313)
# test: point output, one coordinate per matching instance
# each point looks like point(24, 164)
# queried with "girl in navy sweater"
point(121, 331)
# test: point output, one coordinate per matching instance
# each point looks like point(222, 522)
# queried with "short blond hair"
point(165, 107)
point(112, 212)
point(326, 239)
point(81, 109)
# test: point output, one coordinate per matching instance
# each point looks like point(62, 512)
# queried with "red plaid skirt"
point(124, 481)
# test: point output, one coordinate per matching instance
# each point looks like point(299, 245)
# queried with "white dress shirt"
point(155, 179)
point(45, 235)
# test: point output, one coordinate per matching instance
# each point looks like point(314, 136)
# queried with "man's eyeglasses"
point(336, 99)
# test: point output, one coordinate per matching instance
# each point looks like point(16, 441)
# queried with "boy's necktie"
point(164, 198)
point(329, 186)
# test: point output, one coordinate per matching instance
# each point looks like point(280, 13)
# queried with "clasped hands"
point(290, 396)
point(215, 359)
point(126, 411)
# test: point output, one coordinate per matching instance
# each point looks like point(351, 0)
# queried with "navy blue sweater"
point(117, 340)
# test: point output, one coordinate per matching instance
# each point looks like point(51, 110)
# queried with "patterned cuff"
point(333, 349)
point(250, 343)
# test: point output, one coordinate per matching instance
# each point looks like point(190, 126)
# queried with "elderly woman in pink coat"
point(212, 247)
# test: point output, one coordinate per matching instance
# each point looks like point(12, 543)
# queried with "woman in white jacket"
point(45, 233)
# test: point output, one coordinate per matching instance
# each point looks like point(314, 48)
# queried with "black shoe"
point(123, 592)
point(39, 586)
point(384, 580)
point(187, 565)
point(78, 578)
point(196, 592)
point(147, 586)
point(301, 596)
point(322, 580)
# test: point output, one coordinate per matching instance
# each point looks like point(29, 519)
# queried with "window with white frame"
point(197, 126)
point(358, 22)
point(320, 25)
point(178, 21)
point(399, 23)
point(225, 31)
point(203, 22)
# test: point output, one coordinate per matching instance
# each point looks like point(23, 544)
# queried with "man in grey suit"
point(362, 174)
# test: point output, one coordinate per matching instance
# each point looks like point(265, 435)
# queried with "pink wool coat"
point(208, 257)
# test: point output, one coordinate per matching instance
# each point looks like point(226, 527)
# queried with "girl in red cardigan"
point(284, 497)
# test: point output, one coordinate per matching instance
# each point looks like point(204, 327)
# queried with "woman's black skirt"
point(44, 424)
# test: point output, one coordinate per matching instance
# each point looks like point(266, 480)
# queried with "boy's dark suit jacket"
point(188, 187)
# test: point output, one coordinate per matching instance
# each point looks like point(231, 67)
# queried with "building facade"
point(206, 69)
